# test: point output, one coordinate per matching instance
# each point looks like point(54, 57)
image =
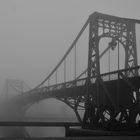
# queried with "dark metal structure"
point(106, 101)
point(111, 100)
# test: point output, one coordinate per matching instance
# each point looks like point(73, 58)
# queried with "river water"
point(48, 110)
point(49, 131)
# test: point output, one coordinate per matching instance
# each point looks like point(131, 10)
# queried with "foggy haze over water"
point(35, 34)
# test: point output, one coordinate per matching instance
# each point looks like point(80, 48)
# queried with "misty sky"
point(35, 34)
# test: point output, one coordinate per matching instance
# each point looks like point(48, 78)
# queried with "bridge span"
point(110, 100)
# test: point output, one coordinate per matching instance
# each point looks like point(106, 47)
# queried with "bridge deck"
point(73, 89)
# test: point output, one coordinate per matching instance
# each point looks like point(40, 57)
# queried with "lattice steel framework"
point(100, 104)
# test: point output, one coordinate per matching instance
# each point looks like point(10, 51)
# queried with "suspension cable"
point(64, 70)
point(109, 62)
point(68, 51)
point(94, 61)
point(56, 77)
point(48, 82)
point(75, 62)
point(118, 56)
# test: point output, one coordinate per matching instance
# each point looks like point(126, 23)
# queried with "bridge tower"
point(13, 87)
point(103, 103)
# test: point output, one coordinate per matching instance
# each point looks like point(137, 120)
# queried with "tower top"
point(115, 18)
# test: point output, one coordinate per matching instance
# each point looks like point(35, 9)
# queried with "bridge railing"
point(81, 82)
point(130, 72)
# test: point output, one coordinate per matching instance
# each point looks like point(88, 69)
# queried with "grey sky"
point(34, 34)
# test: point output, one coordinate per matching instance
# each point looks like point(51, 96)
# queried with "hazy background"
point(35, 34)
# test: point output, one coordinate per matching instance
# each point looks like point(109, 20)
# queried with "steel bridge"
point(110, 100)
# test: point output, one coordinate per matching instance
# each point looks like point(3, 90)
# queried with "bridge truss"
point(103, 103)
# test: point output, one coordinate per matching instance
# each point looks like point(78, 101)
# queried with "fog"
point(35, 34)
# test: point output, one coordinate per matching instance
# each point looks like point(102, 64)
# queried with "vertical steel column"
point(92, 98)
point(130, 50)
point(64, 70)
point(118, 82)
point(75, 68)
point(135, 48)
point(89, 56)
point(97, 63)
point(87, 100)
point(86, 120)
point(56, 77)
